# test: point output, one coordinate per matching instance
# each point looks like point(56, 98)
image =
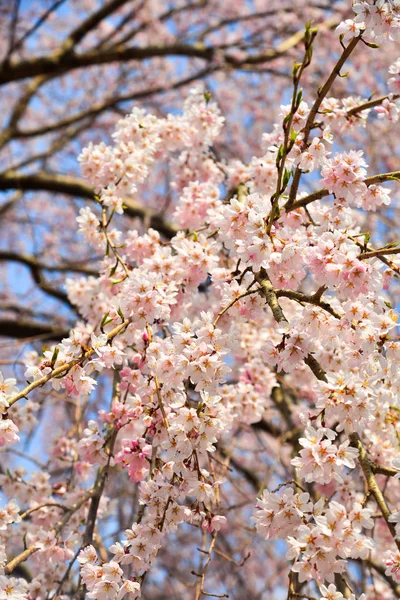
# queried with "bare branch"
point(21, 329)
point(75, 187)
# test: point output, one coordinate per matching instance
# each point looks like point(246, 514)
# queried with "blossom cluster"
point(325, 535)
point(374, 20)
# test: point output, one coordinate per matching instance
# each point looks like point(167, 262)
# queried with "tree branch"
point(372, 484)
point(322, 92)
point(75, 187)
point(319, 194)
point(64, 59)
point(65, 367)
point(33, 263)
point(20, 329)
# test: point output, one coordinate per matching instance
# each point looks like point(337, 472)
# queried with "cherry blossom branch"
point(25, 554)
point(319, 194)
point(101, 476)
point(64, 368)
point(232, 302)
point(42, 19)
point(90, 23)
point(379, 252)
point(382, 470)
point(289, 140)
point(161, 404)
point(231, 560)
point(372, 484)
point(269, 293)
point(248, 473)
point(20, 109)
point(36, 268)
point(97, 493)
point(315, 367)
point(314, 299)
point(267, 290)
point(67, 572)
point(381, 571)
point(364, 248)
point(45, 504)
point(370, 104)
point(322, 92)
point(104, 223)
point(240, 18)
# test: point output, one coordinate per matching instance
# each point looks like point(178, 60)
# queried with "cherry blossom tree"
point(199, 389)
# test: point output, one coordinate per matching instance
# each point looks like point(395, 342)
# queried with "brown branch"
point(90, 23)
point(129, 17)
point(380, 569)
point(37, 275)
point(315, 367)
point(268, 427)
point(42, 19)
point(313, 299)
point(98, 490)
point(21, 329)
point(382, 470)
point(282, 49)
point(4, 208)
point(75, 187)
point(379, 252)
point(20, 108)
point(267, 290)
point(232, 302)
point(33, 263)
point(161, 18)
point(242, 469)
point(60, 62)
point(200, 585)
point(44, 505)
point(65, 59)
point(243, 18)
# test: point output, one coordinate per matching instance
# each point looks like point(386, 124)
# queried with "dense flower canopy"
point(222, 419)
